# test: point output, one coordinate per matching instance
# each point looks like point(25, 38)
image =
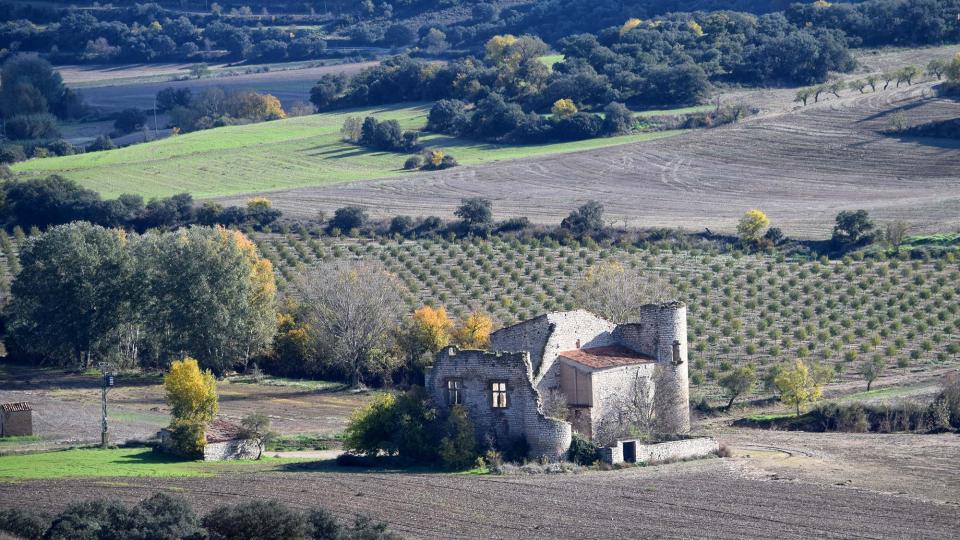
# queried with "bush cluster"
point(167, 516)
point(409, 428)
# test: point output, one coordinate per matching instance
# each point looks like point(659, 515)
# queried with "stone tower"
point(672, 392)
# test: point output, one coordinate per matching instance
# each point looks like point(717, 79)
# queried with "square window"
point(454, 392)
point(498, 390)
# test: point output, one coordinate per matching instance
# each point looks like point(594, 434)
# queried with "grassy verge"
point(19, 439)
point(120, 462)
point(296, 152)
point(302, 442)
point(266, 380)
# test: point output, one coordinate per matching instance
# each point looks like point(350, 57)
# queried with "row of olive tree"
point(87, 293)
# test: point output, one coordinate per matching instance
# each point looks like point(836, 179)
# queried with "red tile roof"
point(606, 357)
point(14, 407)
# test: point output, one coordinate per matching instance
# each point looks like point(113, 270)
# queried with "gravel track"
point(800, 167)
point(696, 499)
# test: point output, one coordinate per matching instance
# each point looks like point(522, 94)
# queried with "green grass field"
point(118, 463)
point(296, 152)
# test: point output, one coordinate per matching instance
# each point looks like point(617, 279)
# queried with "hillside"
point(295, 152)
point(801, 166)
point(758, 309)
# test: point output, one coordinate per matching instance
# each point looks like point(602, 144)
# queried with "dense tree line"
point(149, 33)
point(33, 97)
point(87, 293)
point(216, 107)
point(54, 200)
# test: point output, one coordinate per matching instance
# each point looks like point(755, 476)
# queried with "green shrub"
point(582, 451)
point(401, 425)
point(458, 447)
point(256, 520)
point(23, 524)
point(188, 437)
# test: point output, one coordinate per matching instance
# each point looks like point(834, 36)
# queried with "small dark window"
point(578, 343)
point(676, 353)
point(454, 391)
point(498, 391)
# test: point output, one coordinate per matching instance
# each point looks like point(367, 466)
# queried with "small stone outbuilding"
point(225, 441)
point(16, 420)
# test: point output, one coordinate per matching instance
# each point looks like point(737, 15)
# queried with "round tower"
point(672, 391)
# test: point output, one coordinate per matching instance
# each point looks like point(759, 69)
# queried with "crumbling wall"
point(661, 452)
point(233, 449)
point(571, 330)
point(523, 415)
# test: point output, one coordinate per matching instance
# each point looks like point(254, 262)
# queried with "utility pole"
point(106, 383)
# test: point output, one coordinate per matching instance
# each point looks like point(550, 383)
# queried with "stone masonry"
point(16, 420)
point(476, 371)
point(596, 365)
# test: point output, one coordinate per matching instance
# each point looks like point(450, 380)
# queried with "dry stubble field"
point(800, 167)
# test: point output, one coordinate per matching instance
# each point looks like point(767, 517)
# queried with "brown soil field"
point(290, 86)
point(800, 167)
point(67, 406)
point(774, 487)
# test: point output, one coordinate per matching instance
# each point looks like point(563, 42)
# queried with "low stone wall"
point(235, 449)
point(659, 452)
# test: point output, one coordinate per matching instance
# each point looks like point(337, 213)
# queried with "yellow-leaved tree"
point(192, 396)
point(629, 25)
point(695, 27)
point(799, 384)
point(473, 332)
point(752, 225)
point(431, 328)
point(498, 48)
point(563, 108)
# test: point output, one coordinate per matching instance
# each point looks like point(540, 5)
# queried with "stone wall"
point(674, 409)
point(661, 452)
point(16, 423)
point(614, 392)
point(476, 370)
point(571, 330)
point(233, 449)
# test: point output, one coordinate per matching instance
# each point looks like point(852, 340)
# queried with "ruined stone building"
point(598, 370)
point(16, 420)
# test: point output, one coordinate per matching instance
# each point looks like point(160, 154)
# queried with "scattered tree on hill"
point(752, 225)
point(617, 293)
point(617, 119)
point(859, 85)
point(129, 120)
point(799, 384)
point(473, 332)
point(199, 70)
point(353, 310)
point(908, 74)
point(872, 81)
point(348, 218)
point(563, 108)
point(888, 77)
point(896, 233)
point(738, 382)
point(872, 369)
point(937, 67)
point(476, 213)
point(853, 228)
point(584, 221)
